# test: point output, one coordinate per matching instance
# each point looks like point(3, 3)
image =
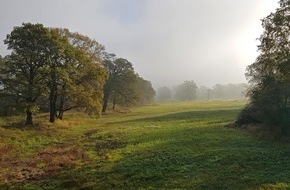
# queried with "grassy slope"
point(165, 146)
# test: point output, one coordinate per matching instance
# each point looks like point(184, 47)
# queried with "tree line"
point(269, 76)
point(56, 70)
point(188, 90)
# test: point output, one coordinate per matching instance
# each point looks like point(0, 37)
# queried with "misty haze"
point(209, 42)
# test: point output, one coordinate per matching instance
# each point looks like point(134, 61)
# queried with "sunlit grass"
point(172, 145)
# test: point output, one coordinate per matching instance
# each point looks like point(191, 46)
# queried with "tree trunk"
point(61, 103)
point(106, 99)
point(114, 102)
point(28, 117)
point(60, 114)
point(30, 100)
point(53, 94)
point(52, 106)
point(105, 104)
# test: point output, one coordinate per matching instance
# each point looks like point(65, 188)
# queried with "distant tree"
point(229, 91)
point(163, 93)
point(186, 91)
point(124, 86)
point(120, 77)
point(137, 92)
point(235, 91)
point(219, 91)
point(203, 93)
point(125, 93)
point(22, 73)
point(144, 90)
point(270, 73)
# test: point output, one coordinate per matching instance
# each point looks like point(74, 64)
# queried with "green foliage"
point(121, 77)
point(144, 92)
point(269, 75)
point(22, 74)
point(163, 94)
point(222, 92)
point(186, 91)
point(54, 64)
point(79, 75)
point(123, 85)
point(69, 70)
point(248, 116)
point(229, 91)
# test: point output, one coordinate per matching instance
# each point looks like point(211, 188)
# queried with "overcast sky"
point(168, 41)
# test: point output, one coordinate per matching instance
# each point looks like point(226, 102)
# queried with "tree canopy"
point(270, 74)
point(22, 74)
point(124, 86)
point(186, 91)
point(55, 70)
point(163, 93)
point(77, 78)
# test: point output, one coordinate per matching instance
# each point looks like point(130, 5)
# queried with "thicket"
point(269, 76)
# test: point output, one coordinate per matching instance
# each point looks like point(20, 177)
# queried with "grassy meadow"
point(179, 145)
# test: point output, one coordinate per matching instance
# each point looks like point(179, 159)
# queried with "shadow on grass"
point(197, 158)
point(20, 126)
point(190, 116)
point(206, 158)
point(184, 157)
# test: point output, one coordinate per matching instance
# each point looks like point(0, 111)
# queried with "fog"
point(168, 41)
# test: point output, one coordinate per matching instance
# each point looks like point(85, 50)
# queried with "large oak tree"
point(78, 75)
point(55, 65)
point(22, 75)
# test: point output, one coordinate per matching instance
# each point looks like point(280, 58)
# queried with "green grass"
point(179, 145)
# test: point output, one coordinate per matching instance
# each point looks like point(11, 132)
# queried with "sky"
point(167, 41)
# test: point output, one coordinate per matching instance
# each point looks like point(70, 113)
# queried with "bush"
point(248, 115)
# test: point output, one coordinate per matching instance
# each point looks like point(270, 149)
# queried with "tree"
point(57, 67)
point(163, 93)
point(186, 91)
point(120, 75)
point(144, 91)
point(136, 92)
point(77, 74)
point(229, 91)
point(203, 93)
point(235, 91)
point(219, 91)
point(22, 74)
point(270, 74)
point(123, 85)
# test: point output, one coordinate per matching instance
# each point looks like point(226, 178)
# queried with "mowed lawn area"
point(179, 145)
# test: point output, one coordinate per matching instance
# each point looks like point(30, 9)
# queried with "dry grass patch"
point(49, 161)
point(58, 157)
